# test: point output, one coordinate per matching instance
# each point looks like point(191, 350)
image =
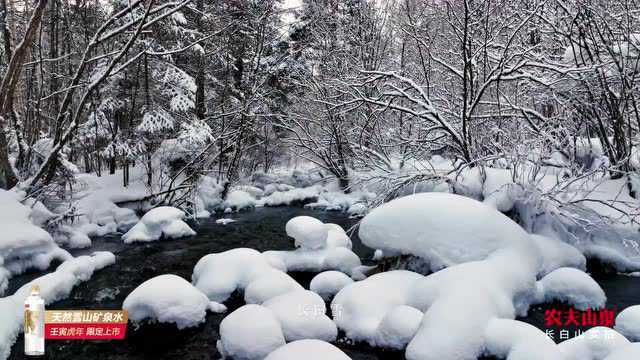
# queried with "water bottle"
point(34, 323)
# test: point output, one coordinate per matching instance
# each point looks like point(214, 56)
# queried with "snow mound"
point(557, 254)
point(225, 221)
point(238, 200)
point(242, 269)
point(626, 353)
point(595, 344)
point(572, 286)
point(250, 333)
point(302, 315)
point(360, 307)
point(443, 229)
point(628, 323)
point(321, 247)
point(23, 245)
point(289, 195)
point(398, 327)
point(308, 232)
point(327, 284)
point(161, 221)
point(53, 287)
point(169, 299)
point(308, 350)
point(516, 340)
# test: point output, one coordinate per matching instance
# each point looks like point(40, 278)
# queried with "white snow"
point(308, 232)
point(161, 221)
point(53, 287)
point(595, 344)
point(572, 286)
point(302, 315)
point(238, 200)
point(629, 352)
point(308, 350)
point(398, 327)
point(242, 269)
point(328, 283)
point(557, 254)
point(321, 247)
point(225, 221)
point(23, 245)
point(250, 333)
point(517, 340)
point(628, 323)
point(169, 299)
point(443, 229)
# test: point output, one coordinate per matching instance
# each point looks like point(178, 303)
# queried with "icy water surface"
point(261, 229)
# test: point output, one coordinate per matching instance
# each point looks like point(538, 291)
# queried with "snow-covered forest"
point(344, 179)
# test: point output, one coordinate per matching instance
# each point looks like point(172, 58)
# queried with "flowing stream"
point(261, 229)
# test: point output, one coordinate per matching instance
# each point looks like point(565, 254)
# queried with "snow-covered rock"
point(302, 315)
point(328, 283)
point(219, 275)
point(628, 323)
point(517, 340)
point(23, 245)
point(398, 326)
point(238, 200)
point(360, 307)
point(443, 229)
point(628, 352)
point(308, 350)
point(53, 286)
point(225, 221)
point(572, 286)
point(161, 221)
point(321, 247)
point(308, 232)
point(169, 299)
point(250, 333)
point(557, 254)
point(595, 344)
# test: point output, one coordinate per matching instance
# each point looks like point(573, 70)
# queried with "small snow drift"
point(628, 323)
point(442, 229)
point(169, 299)
point(260, 277)
point(161, 221)
point(517, 340)
point(595, 344)
point(557, 254)
point(628, 352)
point(53, 287)
point(250, 333)
point(328, 283)
point(238, 200)
point(309, 350)
point(320, 247)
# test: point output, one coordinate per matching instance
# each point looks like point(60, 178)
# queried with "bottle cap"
point(35, 289)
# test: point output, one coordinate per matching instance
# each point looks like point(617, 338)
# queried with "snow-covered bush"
point(162, 221)
point(169, 299)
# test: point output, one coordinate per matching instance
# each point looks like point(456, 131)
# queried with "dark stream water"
point(261, 229)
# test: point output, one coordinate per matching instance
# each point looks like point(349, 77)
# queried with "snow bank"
point(23, 245)
point(161, 221)
point(250, 333)
point(308, 350)
point(242, 269)
point(53, 287)
point(327, 284)
point(289, 196)
point(302, 315)
point(442, 229)
point(595, 344)
point(628, 323)
point(321, 247)
point(573, 287)
point(170, 299)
